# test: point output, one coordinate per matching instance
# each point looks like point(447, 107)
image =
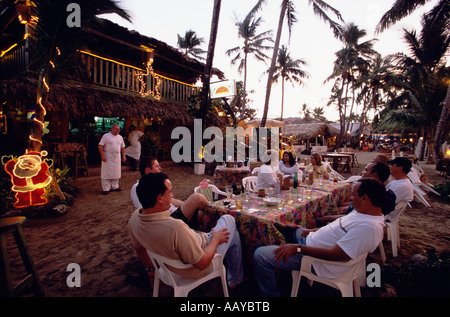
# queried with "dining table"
point(338, 159)
point(228, 176)
point(256, 220)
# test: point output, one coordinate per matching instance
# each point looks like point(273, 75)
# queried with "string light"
point(149, 72)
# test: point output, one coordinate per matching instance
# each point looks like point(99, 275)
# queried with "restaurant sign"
point(221, 89)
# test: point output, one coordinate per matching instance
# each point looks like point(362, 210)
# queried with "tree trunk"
point(441, 126)
point(274, 59)
point(282, 98)
point(244, 88)
point(209, 60)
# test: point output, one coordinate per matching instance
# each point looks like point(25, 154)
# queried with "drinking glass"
point(320, 178)
point(308, 192)
point(281, 204)
point(229, 191)
point(301, 194)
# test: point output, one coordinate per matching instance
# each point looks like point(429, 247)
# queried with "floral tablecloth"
point(226, 176)
point(256, 219)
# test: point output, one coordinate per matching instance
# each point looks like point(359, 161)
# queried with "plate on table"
point(272, 201)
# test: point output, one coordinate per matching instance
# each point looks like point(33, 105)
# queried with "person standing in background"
point(112, 149)
point(133, 152)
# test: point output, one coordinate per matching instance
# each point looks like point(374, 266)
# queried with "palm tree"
point(422, 78)
point(289, 70)
point(189, 44)
point(321, 9)
point(56, 43)
point(206, 78)
point(253, 43)
point(438, 19)
point(352, 61)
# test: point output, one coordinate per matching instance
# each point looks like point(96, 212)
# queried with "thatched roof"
point(309, 130)
point(78, 101)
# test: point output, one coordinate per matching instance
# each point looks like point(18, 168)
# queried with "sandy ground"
point(93, 233)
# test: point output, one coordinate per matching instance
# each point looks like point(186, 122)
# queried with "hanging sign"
point(223, 89)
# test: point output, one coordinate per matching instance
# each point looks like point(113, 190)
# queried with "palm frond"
point(399, 10)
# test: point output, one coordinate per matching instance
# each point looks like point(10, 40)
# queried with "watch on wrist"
point(299, 249)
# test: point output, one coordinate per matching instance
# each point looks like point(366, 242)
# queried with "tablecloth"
point(256, 219)
point(225, 176)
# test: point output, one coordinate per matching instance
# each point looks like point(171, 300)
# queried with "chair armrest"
point(307, 262)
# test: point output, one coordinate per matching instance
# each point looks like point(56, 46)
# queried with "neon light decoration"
point(29, 176)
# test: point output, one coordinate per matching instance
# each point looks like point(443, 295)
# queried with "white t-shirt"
point(364, 233)
point(287, 170)
point(266, 177)
point(402, 188)
point(137, 203)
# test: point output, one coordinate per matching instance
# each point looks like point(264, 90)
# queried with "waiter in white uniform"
point(112, 149)
point(134, 150)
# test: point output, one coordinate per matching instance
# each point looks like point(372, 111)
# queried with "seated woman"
point(287, 165)
point(267, 177)
point(317, 167)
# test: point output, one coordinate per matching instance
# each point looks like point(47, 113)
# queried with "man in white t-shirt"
point(190, 210)
point(344, 239)
point(399, 182)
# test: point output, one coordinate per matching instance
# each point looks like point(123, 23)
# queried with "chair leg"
point(180, 292)
point(156, 285)
point(383, 255)
point(347, 291)
point(224, 285)
point(295, 283)
point(394, 236)
point(356, 288)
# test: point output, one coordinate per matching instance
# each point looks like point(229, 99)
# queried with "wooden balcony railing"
point(14, 61)
point(110, 73)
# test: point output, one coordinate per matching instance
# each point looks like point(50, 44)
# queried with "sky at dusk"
point(311, 40)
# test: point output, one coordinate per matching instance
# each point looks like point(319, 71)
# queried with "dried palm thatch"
point(78, 101)
point(309, 131)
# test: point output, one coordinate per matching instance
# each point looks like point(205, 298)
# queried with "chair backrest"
point(249, 182)
point(330, 170)
point(256, 170)
point(351, 179)
point(414, 176)
point(400, 207)
point(162, 262)
point(417, 168)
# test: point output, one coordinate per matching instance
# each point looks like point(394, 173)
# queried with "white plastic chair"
point(393, 230)
point(348, 283)
point(414, 176)
point(216, 191)
point(332, 170)
point(250, 182)
point(255, 171)
point(183, 285)
point(351, 179)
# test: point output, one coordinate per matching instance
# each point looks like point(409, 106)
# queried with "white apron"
point(112, 145)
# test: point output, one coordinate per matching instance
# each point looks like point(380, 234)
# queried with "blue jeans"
point(265, 265)
point(231, 251)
